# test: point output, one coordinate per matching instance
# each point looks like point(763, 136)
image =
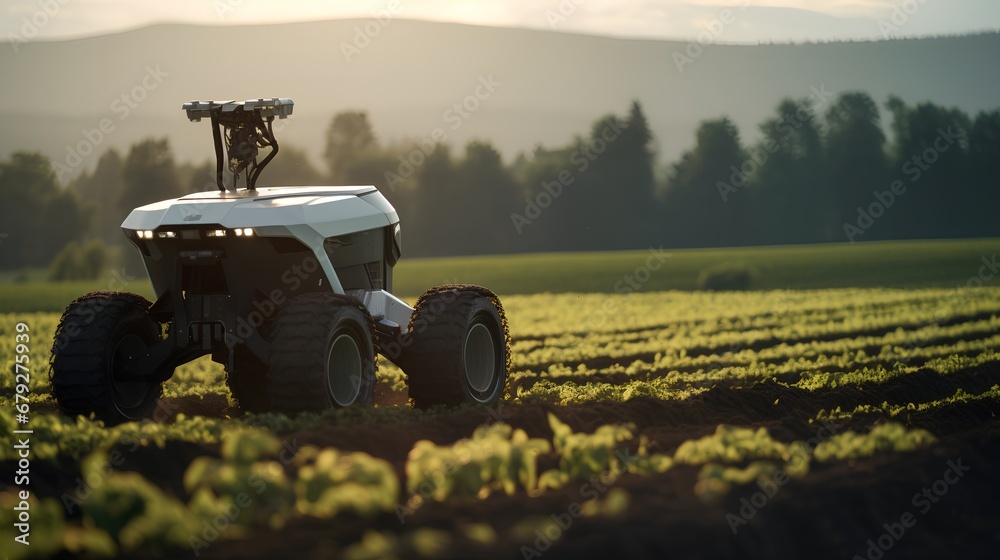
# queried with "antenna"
point(244, 127)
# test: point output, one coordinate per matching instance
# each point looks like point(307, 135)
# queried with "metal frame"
point(209, 321)
point(247, 123)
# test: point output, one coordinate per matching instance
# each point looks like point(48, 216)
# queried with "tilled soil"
point(839, 510)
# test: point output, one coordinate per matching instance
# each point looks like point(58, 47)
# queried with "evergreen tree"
point(37, 216)
point(701, 209)
point(855, 158)
point(96, 189)
point(930, 156)
point(789, 190)
point(148, 175)
point(348, 138)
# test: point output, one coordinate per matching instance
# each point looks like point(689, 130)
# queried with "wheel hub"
point(344, 370)
point(480, 358)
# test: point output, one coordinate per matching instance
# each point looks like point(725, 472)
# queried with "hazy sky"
point(760, 20)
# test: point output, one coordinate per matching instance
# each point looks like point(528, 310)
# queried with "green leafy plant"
point(74, 262)
point(330, 482)
point(731, 444)
point(46, 530)
point(496, 457)
point(715, 480)
point(132, 511)
point(589, 455)
point(241, 485)
point(884, 438)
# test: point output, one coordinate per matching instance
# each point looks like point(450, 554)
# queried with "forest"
point(824, 168)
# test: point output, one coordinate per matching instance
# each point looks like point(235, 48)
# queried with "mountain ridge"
point(554, 84)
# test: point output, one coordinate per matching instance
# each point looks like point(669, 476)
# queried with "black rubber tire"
point(434, 357)
point(304, 335)
point(95, 331)
point(248, 382)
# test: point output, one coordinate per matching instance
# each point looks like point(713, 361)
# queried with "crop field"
point(834, 423)
point(900, 264)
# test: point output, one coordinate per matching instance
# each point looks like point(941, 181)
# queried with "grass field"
point(903, 264)
point(782, 422)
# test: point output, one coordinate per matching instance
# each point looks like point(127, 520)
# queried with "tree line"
point(824, 169)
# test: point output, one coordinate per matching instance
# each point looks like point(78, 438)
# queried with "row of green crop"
point(204, 377)
point(559, 388)
point(56, 435)
point(737, 456)
point(258, 482)
point(723, 323)
point(659, 365)
point(893, 411)
point(907, 312)
point(588, 314)
point(817, 338)
point(677, 386)
point(563, 385)
point(738, 367)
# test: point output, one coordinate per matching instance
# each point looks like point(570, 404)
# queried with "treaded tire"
point(248, 382)
point(307, 335)
point(447, 359)
point(96, 333)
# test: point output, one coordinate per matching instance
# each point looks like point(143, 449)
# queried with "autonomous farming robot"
point(290, 288)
